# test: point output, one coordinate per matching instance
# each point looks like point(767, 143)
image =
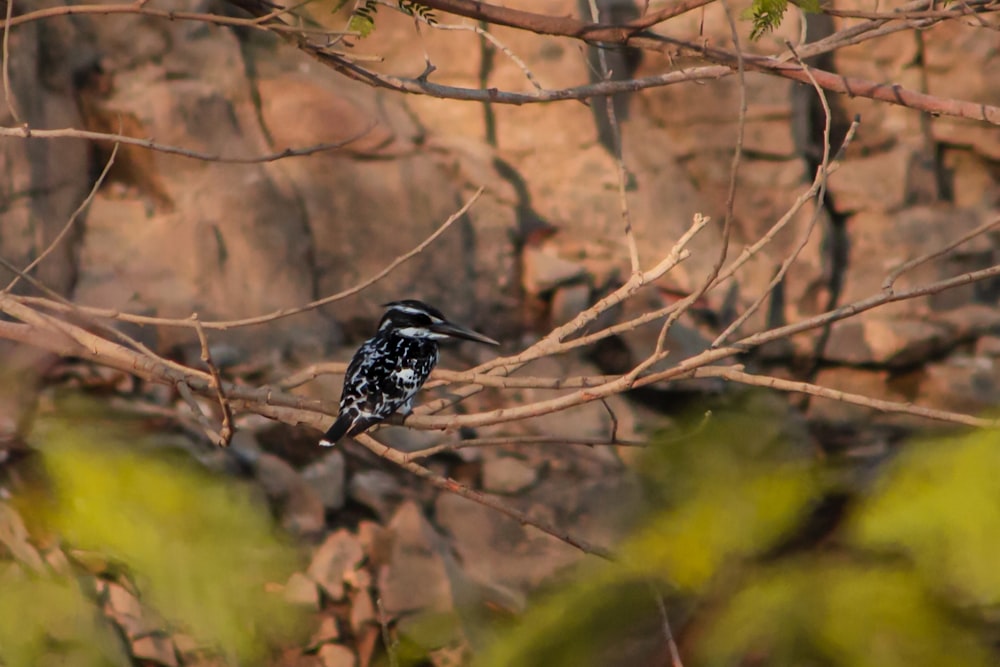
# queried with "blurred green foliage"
point(939, 504)
point(48, 621)
point(908, 578)
point(198, 549)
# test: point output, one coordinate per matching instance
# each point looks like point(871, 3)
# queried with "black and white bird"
point(388, 369)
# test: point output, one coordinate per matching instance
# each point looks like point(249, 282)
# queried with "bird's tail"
point(337, 431)
point(348, 423)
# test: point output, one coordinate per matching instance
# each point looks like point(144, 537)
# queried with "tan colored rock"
point(507, 475)
point(589, 420)
point(988, 346)
point(339, 553)
point(377, 489)
point(544, 269)
point(873, 183)
point(872, 383)
point(326, 632)
point(391, 206)
point(881, 242)
point(894, 342)
point(209, 237)
point(568, 302)
point(43, 181)
point(336, 655)
point(415, 577)
point(156, 649)
point(497, 549)
point(301, 590)
point(302, 510)
point(362, 610)
point(328, 478)
point(126, 610)
point(963, 383)
point(975, 184)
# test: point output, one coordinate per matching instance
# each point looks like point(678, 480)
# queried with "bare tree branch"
point(26, 132)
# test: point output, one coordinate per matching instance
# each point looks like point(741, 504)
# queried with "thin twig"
point(668, 633)
point(891, 279)
point(207, 427)
point(819, 182)
point(7, 90)
point(491, 38)
point(226, 432)
point(619, 153)
point(391, 643)
point(484, 34)
point(442, 377)
point(69, 223)
point(452, 486)
point(278, 314)
point(880, 405)
point(523, 440)
point(264, 23)
point(25, 132)
point(59, 302)
point(659, 353)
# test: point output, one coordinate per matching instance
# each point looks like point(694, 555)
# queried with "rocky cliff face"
point(172, 235)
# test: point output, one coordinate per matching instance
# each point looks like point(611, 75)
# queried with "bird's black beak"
point(455, 331)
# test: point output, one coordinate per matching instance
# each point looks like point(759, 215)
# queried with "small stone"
point(186, 643)
point(376, 542)
point(889, 342)
point(362, 610)
point(327, 477)
point(244, 446)
point(568, 302)
point(276, 476)
point(336, 655)
point(302, 510)
point(961, 383)
point(376, 489)
point(508, 475)
point(877, 182)
point(301, 590)
point(416, 577)
point(340, 553)
point(14, 536)
point(326, 632)
point(155, 648)
point(988, 346)
point(496, 549)
point(409, 439)
point(873, 383)
point(126, 610)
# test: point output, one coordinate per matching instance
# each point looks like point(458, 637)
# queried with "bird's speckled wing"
point(383, 377)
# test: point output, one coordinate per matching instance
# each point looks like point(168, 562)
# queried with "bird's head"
point(415, 319)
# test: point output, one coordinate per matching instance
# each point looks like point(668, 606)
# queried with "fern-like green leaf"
point(414, 8)
point(768, 14)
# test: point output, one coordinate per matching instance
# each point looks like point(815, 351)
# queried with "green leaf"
point(766, 16)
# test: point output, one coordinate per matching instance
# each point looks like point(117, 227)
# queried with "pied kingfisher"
point(388, 369)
